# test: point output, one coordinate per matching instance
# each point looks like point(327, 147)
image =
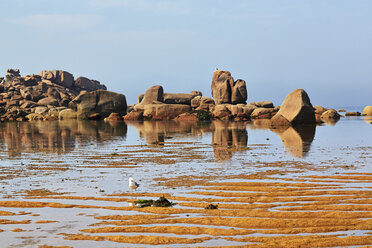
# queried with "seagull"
point(133, 184)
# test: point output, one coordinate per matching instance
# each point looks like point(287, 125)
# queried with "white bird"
point(133, 184)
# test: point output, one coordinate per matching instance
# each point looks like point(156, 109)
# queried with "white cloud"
point(109, 3)
point(58, 21)
point(156, 6)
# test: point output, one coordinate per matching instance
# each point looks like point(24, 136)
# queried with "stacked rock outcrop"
point(157, 105)
point(22, 97)
point(230, 98)
point(229, 102)
point(227, 91)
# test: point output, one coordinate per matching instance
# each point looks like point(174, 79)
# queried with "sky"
point(276, 46)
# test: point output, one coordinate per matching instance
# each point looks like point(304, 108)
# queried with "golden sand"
point(306, 241)
point(139, 239)
point(45, 221)
point(11, 222)
point(50, 246)
point(246, 212)
point(5, 213)
point(171, 229)
point(18, 230)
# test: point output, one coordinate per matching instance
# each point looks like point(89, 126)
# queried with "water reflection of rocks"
point(64, 136)
point(227, 137)
point(156, 132)
point(56, 136)
point(296, 139)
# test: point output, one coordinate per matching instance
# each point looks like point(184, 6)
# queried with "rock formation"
point(157, 105)
point(227, 91)
point(21, 97)
point(55, 94)
point(229, 102)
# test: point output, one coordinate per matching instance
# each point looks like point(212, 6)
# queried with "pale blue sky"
point(323, 46)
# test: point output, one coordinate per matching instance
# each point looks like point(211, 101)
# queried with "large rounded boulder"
point(367, 111)
point(295, 109)
point(100, 102)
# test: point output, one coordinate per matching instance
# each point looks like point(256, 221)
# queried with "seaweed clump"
point(202, 115)
point(161, 202)
point(212, 206)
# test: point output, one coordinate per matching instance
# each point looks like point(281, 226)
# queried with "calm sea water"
point(97, 158)
point(72, 144)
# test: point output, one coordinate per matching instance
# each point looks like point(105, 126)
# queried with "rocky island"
point(56, 94)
